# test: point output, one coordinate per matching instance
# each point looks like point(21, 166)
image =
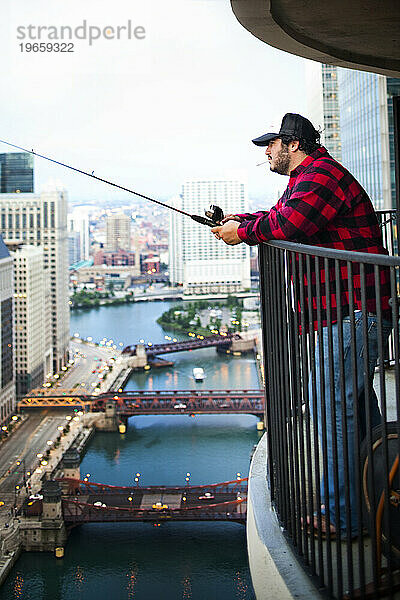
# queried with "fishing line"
point(199, 219)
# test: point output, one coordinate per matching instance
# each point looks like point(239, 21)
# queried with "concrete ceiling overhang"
point(348, 33)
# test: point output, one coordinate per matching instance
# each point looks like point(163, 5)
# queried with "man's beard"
point(282, 162)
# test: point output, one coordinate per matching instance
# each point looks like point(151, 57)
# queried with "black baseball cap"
point(292, 124)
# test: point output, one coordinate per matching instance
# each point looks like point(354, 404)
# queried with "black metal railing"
point(330, 322)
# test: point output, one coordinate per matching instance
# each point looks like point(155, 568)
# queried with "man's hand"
point(227, 233)
point(231, 218)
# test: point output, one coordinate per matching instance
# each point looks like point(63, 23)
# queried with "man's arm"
point(314, 201)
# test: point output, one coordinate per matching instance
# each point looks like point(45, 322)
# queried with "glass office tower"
point(16, 172)
point(366, 125)
point(393, 89)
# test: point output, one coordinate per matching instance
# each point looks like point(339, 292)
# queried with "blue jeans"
point(328, 479)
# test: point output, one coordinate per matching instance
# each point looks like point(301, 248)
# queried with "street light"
point(16, 492)
point(22, 462)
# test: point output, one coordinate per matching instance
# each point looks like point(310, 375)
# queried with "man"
point(323, 205)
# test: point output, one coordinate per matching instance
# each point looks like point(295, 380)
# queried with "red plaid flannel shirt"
point(323, 205)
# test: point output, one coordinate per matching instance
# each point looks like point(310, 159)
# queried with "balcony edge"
point(275, 570)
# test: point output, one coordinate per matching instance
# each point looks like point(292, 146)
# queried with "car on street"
point(207, 496)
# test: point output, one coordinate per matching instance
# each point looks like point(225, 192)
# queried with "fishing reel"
point(215, 213)
point(213, 216)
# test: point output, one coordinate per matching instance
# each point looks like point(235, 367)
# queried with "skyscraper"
point(323, 104)
point(199, 262)
point(366, 123)
point(16, 172)
point(78, 221)
point(41, 220)
point(118, 232)
point(7, 373)
point(393, 89)
point(74, 247)
point(33, 345)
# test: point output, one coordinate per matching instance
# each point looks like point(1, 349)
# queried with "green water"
point(197, 561)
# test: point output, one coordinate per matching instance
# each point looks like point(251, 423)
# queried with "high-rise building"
point(78, 221)
point(366, 123)
point(16, 172)
point(41, 220)
point(7, 371)
point(74, 247)
point(199, 262)
point(323, 104)
point(33, 346)
point(393, 89)
point(118, 232)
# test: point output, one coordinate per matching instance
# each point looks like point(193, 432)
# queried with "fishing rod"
point(213, 216)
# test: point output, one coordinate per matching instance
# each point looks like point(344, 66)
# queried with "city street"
point(24, 444)
point(90, 362)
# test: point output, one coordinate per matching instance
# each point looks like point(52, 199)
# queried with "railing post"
point(396, 127)
point(263, 270)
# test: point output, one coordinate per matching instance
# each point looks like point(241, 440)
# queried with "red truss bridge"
point(88, 502)
point(192, 344)
point(187, 402)
point(128, 404)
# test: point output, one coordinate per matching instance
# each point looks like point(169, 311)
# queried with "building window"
point(45, 216)
point(6, 342)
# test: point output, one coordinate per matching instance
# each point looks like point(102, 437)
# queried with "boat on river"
point(198, 373)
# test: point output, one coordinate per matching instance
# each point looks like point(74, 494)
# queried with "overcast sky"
point(183, 102)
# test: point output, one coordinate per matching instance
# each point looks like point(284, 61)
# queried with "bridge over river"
point(199, 341)
point(134, 403)
point(88, 502)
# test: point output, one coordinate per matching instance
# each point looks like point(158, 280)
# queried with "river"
point(188, 561)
